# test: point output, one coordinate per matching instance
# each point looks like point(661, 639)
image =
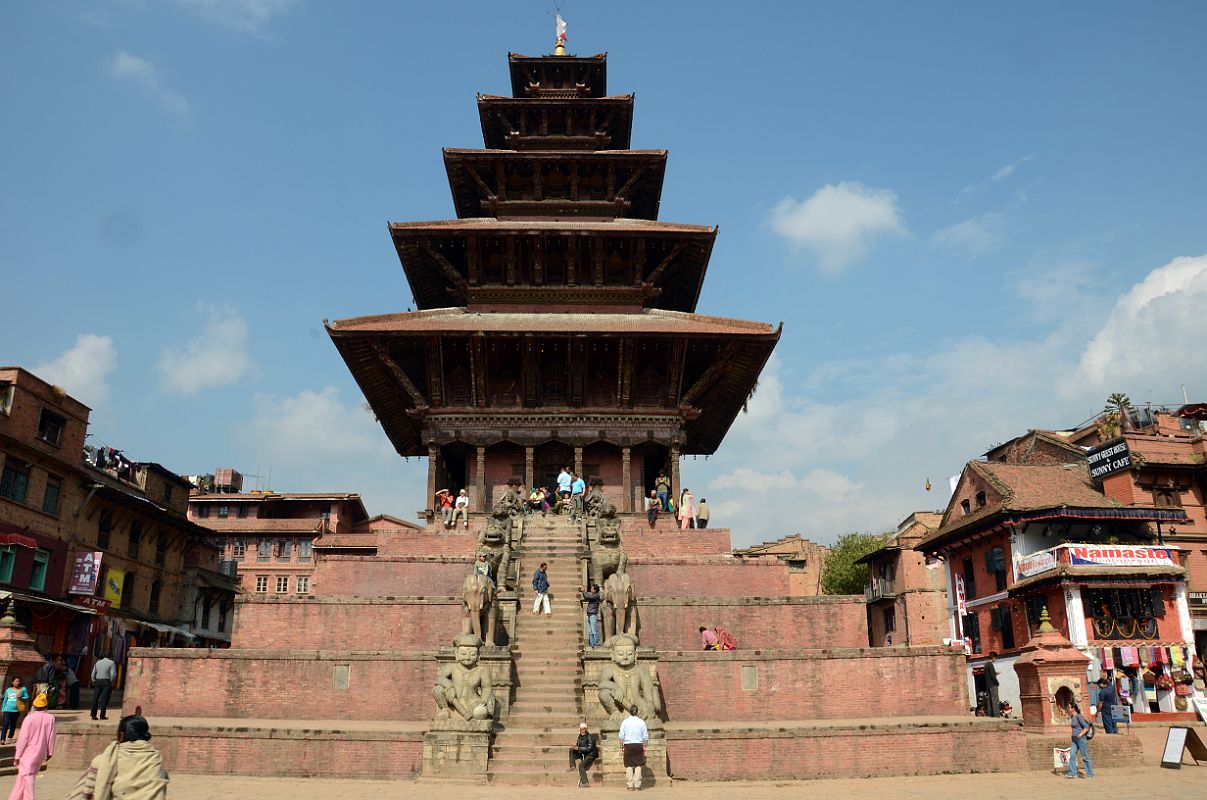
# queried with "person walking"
point(461, 509)
point(591, 596)
point(1107, 697)
point(578, 490)
point(540, 585)
point(104, 671)
point(662, 485)
point(687, 502)
point(15, 696)
point(583, 754)
point(702, 513)
point(128, 769)
point(1082, 730)
point(35, 745)
point(653, 505)
point(633, 736)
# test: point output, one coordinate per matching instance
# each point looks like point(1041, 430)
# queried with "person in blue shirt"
point(578, 490)
point(1082, 730)
point(540, 585)
point(12, 711)
point(1107, 697)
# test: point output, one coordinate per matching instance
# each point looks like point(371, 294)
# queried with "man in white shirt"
point(103, 673)
point(564, 482)
point(633, 736)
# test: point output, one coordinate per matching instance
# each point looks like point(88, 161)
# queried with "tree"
point(841, 575)
point(1116, 416)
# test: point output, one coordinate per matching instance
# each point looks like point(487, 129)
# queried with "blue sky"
point(971, 220)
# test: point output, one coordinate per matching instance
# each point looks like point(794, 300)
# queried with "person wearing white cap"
point(583, 754)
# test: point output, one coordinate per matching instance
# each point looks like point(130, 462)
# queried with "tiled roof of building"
point(458, 320)
point(1097, 571)
point(489, 225)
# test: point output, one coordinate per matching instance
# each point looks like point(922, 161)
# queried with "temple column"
point(578, 462)
point(433, 463)
point(528, 457)
point(480, 481)
point(675, 476)
point(626, 479)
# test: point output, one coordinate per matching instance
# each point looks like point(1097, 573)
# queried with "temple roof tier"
point(600, 123)
point(558, 76)
point(630, 262)
point(551, 370)
point(578, 184)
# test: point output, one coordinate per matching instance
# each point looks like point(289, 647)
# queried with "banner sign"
point(1037, 563)
point(113, 586)
point(85, 573)
point(961, 605)
point(1113, 556)
point(98, 604)
point(1108, 459)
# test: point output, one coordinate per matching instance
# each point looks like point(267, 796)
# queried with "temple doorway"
point(548, 461)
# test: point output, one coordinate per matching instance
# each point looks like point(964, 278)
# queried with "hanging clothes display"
point(1131, 656)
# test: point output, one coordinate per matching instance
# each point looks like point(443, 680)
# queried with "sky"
point(972, 220)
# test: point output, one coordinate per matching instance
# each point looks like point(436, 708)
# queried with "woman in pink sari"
point(35, 745)
point(687, 510)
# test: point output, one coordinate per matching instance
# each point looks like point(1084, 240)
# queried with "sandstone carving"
point(480, 607)
point(503, 515)
point(465, 689)
point(625, 682)
point(495, 544)
point(594, 502)
point(607, 553)
point(620, 606)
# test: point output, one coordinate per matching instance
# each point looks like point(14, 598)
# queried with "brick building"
point(906, 591)
point(805, 560)
point(270, 536)
point(1017, 538)
point(92, 543)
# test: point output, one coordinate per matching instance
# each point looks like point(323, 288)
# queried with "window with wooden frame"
point(51, 495)
point(50, 427)
point(14, 481)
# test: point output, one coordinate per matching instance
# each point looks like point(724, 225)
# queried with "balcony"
point(880, 589)
point(1092, 557)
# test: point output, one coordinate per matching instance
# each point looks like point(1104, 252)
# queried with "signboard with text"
point(85, 573)
point(114, 579)
point(98, 604)
point(1115, 556)
point(1036, 563)
point(1109, 458)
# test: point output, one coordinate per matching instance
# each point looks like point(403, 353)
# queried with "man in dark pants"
point(103, 673)
point(1107, 697)
point(584, 752)
point(991, 684)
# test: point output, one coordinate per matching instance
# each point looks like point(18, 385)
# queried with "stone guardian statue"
point(626, 682)
point(465, 689)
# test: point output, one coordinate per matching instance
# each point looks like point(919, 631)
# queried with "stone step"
point(560, 720)
point(541, 778)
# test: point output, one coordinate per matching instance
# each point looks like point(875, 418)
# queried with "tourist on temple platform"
point(551, 500)
point(536, 501)
point(54, 675)
point(104, 671)
point(564, 480)
point(540, 585)
point(461, 509)
point(578, 490)
point(662, 485)
point(444, 501)
point(702, 513)
point(15, 697)
point(583, 754)
point(1082, 730)
point(35, 745)
point(482, 567)
point(725, 639)
point(633, 736)
point(652, 506)
point(708, 638)
point(1107, 697)
point(128, 769)
point(592, 597)
point(687, 507)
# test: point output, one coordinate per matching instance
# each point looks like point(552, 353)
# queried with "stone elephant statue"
point(620, 606)
point(481, 608)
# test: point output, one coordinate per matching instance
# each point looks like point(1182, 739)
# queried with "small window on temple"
point(1167, 497)
point(980, 499)
point(966, 506)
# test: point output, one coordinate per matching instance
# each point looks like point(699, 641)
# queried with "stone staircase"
point(531, 747)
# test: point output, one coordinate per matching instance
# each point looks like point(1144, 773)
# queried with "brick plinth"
point(324, 749)
point(673, 623)
point(853, 749)
point(1106, 751)
point(666, 540)
point(347, 623)
point(754, 685)
point(383, 576)
point(714, 576)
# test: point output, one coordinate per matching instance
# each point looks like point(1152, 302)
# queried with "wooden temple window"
point(617, 265)
point(554, 262)
point(505, 369)
point(555, 388)
point(602, 373)
point(651, 369)
point(457, 379)
point(557, 182)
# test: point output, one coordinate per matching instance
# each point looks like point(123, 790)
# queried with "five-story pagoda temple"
point(556, 322)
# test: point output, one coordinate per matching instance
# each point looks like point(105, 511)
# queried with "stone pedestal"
point(611, 762)
point(456, 749)
point(19, 657)
point(1051, 675)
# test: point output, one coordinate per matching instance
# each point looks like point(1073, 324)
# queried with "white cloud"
point(839, 222)
point(1009, 169)
point(1154, 335)
point(84, 369)
point(244, 16)
point(976, 236)
point(139, 71)
point(217, 356)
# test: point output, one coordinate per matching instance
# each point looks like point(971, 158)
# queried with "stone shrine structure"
point(556, 327)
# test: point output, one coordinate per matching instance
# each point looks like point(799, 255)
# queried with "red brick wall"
point(374, 576)
point(346, 624)
point(335, 753)
point(639, 540)
point(852, 752)
point(434, 541)
point(818, 684)
point(707, 577)
point(814, 622)
point(280, 684)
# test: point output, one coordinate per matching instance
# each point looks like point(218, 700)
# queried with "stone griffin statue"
point(465, 689)
point(607, 553)
point(594, 500)
point(480, 607)
point(502, 516)
point(625, 682)
point(620, 606)
point(494, 542)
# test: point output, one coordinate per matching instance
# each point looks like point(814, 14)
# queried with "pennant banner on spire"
point(561, 28)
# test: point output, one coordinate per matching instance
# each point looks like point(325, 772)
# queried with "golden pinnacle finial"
point(559, 49)
point(1045, 622)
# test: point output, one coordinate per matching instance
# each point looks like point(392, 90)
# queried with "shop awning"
point(11, 534)
point(162, 628)
point(33, 598)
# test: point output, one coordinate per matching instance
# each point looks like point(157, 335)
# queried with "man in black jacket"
point(584, 752)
